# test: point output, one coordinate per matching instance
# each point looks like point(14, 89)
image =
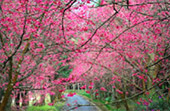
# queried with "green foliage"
point(64, 71)
point(158, 103)
point(118, 109)
point(97, 3)
point(140, 107)
point(108, 99)
point(42, 108)
point(64, 56)
point(56, 107)
point(60, 63)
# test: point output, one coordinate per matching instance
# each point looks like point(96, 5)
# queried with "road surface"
point(78, 103)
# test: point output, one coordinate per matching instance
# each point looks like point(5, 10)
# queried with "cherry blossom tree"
point(118, 48)
point(131, 47)
point(32, 45)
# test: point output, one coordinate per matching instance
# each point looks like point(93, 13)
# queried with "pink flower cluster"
point(71, 94)
point(103, 89)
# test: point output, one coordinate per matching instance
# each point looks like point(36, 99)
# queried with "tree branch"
point(21, 39)
point(158, 61)
point(62, 21)
point(121, 100)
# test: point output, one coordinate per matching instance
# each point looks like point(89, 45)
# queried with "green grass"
point(41, 108)
point(56, 107)
point(46, 107)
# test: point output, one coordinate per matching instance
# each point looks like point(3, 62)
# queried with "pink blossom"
point(50, 104)
point(150, 100)
point(62, 96)
point(41, 45)
point(17, 84)
point(96, 78)
point(83, 87)
point(52, 93)
point(103, 89)
point(11, 44)
point(91, 83)
point(138, 102)
point(134, 74)
point(146, 103)
point(88, 1)
point(120, 92)
point(147, 93)
point(96, 90)
point(97, 94)
point(88, 92)
point(68, 104)
point(140, 76)
point(61, 90)
point(141, 100)
point(44, 87)
point(90, 87)
point(71, 94)
point(113, 87)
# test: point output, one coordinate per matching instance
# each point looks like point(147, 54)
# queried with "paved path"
point(78, 103)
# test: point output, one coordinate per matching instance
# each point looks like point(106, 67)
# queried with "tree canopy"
point(112, 46)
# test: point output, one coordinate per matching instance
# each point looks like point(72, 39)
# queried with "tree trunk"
point(8, 106)
point(53, 97)
point(6, 97)
point(74, 87)
point(25, 100)
point(78, 86)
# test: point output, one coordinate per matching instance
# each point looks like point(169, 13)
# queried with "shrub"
point(157, 104)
